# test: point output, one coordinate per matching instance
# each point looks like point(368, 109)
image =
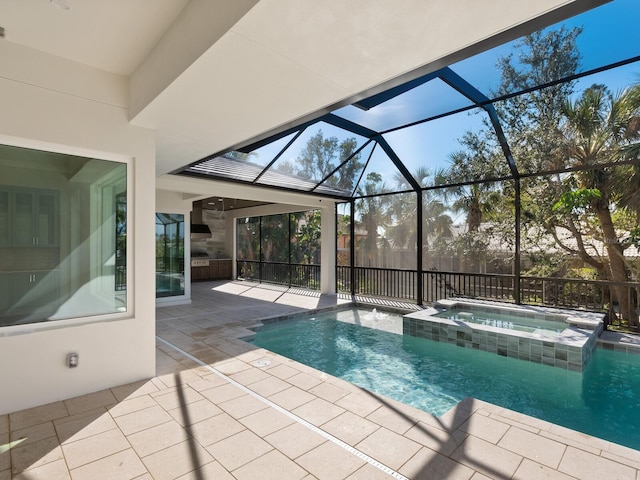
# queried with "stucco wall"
point(58, 105)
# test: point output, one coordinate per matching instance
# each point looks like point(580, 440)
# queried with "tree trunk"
point(617, 268)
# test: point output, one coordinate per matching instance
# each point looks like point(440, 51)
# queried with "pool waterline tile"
point(570, 349)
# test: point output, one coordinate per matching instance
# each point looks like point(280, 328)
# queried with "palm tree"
point(601, 127)
point(436, 222)
point(373, 215)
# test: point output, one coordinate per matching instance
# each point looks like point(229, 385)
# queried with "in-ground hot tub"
point(560, 338)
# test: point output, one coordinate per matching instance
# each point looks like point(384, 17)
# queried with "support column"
point(419, 248)
point(328, 249)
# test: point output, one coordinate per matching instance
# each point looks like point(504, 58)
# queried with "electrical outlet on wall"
point(73, 360)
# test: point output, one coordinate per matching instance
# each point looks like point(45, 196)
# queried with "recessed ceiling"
point(223, 204)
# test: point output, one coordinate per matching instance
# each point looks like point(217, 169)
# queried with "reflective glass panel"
point(312, 157)
point(264, 155)
point(169, 255)
point(344, 234)
point(380, 175)
point(386, 231)
point(608, 36)
point(469, 229)
point(347, 176)
point(557, 127)
point(435, 152)
point(424, 101)
point(64, 236)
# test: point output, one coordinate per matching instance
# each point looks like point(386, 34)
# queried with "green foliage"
point(307, 240)
point(321, 156)
point(576, 200)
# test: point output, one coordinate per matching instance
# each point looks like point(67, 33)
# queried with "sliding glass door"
point(169, 255)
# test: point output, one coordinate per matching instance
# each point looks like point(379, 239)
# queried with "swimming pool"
point(603, 400)
point(503, 320)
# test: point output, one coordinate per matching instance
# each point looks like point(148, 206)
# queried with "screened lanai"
point(513, 174)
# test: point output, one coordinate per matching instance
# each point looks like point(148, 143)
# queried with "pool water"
point(603, 401)
point(502, 320)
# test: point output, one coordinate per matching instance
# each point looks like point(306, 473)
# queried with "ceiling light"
point(61, 4)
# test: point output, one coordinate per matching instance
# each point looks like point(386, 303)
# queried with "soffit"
point(113, 35)
point(285, 60)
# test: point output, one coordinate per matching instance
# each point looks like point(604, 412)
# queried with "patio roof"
point(415, 125)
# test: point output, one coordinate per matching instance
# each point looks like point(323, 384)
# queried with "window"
point(62, 236)
point(169, 255)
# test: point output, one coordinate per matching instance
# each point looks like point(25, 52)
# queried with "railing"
point(437, 285)
point(618, 299)
point(379, 282)
point(292, 274)
point(121, 278)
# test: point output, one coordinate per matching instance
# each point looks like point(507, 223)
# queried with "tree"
point(566, 139)
point(373, 215)
point(321, 156)
point(597, 128)
point(436, 222)
point(307, 237)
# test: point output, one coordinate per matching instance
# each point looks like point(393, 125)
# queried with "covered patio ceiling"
point(400, 131)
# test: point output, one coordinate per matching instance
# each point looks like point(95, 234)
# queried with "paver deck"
point(220, 408)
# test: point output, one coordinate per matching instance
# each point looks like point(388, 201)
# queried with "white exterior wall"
point(52, 104)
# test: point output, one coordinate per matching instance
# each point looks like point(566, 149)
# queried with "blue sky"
point(609, 35)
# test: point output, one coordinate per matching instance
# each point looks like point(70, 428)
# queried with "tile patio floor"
point(239, 418)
